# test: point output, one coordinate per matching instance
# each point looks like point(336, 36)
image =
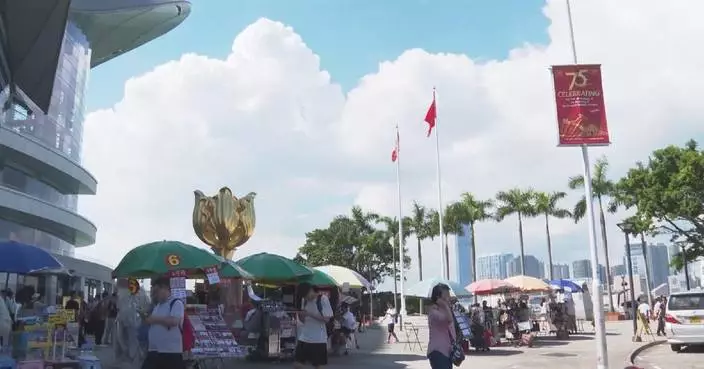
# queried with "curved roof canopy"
point(114, 27)
point(31, 33)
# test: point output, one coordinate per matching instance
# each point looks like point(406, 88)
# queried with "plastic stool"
point(89, 362)
point(31, 364)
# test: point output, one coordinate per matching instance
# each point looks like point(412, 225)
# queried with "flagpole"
point(443, 244)
point(400, 225)
point(602, 358)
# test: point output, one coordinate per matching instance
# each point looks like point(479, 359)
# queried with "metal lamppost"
point(686, 268)
point(627, 229)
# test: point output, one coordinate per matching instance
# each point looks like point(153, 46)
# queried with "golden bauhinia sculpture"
point(223, 221)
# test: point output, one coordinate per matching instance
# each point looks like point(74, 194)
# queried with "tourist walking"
point(441, 328)
point(165, 347)
point(659, 311)
point(390, 320)
point(110, 322)
point(312, 346)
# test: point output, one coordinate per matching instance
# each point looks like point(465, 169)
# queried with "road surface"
point(662, 357)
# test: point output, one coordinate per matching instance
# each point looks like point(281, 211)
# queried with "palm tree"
point(391, 230)
point(519, 202)
point(473, 211)
point(546, 204)
point(451, 224)
point(419, 226)
point(362, 226)
point(602, 189)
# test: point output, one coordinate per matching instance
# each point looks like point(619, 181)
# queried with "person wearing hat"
point(165, 348)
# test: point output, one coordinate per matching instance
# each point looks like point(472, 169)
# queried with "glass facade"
point(61, 129)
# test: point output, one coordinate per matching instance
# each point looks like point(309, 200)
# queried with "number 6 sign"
point(581, 114)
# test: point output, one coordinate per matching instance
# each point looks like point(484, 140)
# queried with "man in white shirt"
point(643, 322)
point(349, 326)
point(312, 347)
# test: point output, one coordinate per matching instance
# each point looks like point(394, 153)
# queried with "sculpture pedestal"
point(231, 299)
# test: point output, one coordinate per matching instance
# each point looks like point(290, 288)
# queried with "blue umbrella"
point(425, 287)
point(565, 285)
point(25, 259)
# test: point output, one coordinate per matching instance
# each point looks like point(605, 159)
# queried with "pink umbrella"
point(490, 286)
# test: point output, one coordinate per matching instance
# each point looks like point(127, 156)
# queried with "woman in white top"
point(390, 320)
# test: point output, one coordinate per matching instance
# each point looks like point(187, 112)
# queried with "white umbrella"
point(342, 275)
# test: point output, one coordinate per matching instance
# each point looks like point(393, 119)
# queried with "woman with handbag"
point(443, 349)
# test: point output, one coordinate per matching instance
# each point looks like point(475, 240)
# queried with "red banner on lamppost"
point(581, 114)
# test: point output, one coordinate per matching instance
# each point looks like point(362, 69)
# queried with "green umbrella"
point(273, 268)
point(230, 269)
point(318, 278)
point(158, 258)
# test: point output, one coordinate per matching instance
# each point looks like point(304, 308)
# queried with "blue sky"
point(351, 36)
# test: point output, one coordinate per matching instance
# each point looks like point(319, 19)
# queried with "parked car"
point(684, 319)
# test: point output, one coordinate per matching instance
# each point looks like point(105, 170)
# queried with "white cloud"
point(268, 119)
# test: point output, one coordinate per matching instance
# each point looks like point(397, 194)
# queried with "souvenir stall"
point(520, 324)
point(213, 340)
point(494, 291)
point(269, 329)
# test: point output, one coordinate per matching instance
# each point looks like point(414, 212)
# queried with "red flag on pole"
point(394, 153)
point(431, 116)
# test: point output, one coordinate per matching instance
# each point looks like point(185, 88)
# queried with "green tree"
point(391, 229)
point(473, 210)
point(353, 242)
point(669, 190)
point(519, 202)
point(451, 224)
point(420, 227)
point(547, 205)
point(602, 189)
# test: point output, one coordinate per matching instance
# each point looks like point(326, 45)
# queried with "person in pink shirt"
point(441, 327)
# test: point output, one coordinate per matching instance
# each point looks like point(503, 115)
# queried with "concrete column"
point(52, 285)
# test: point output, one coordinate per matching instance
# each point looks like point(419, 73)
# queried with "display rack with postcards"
point(463, 323)
point(213, 338)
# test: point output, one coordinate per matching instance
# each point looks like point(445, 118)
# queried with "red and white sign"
point(581, 114)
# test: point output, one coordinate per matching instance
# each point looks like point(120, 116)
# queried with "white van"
point(684, 319)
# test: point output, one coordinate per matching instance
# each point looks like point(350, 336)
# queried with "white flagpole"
point(602, 358)
point(443, 244)
point(400, 225)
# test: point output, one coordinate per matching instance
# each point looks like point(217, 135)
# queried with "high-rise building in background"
point(658, 262)
point(582, 269)
point(560, 271)
point(601, 274)
point(695, 268)
point(493, 266)
point(534, 267)
point(41, 174)
point(618, 270)
point(465, 258)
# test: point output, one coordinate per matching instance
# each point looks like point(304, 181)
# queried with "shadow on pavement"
point(495, 352)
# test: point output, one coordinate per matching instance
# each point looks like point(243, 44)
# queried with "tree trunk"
point(393, 257)
point(520, 236)
point(474, 253)
point(547, 233)
point(420, 262)
point(648, 281)
point(447, 259)
point(420, 275)
point(602, 221)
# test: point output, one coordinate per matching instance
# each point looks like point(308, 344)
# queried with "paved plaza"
point(576, 353)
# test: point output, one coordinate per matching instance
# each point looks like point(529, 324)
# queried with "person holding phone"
point(312, 346)
point(441, 328)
